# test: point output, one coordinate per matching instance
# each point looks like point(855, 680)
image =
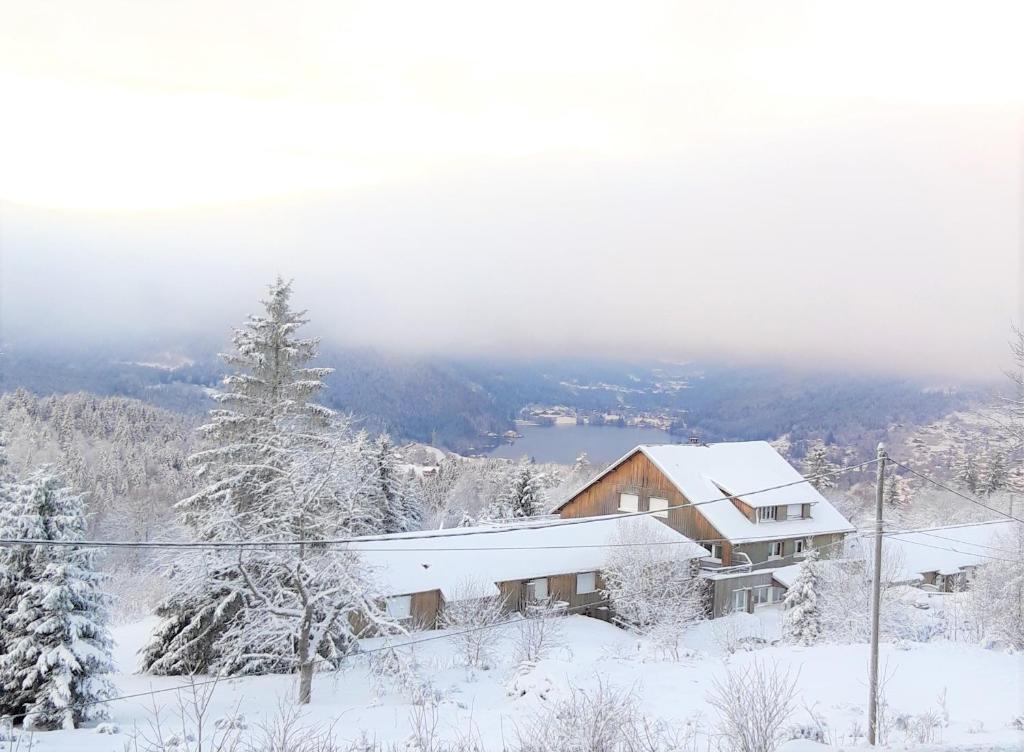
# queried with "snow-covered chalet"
point(742, 501)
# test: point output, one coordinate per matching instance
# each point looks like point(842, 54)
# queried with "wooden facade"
point(639, 476)
point(427, 608)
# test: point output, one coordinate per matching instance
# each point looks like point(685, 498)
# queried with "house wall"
point(424, 610)
point(722, 589)
point(759, 551)
point(638, 475)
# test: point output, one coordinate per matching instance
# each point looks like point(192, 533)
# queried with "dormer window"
point(766, 513)
point(794, 511)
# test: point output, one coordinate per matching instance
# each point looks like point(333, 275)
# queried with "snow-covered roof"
point(944, 549)
point(704, 473)
point(786, 576)
point(477, 558)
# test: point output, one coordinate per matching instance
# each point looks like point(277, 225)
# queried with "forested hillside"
point(453, 403)
point(126, 456)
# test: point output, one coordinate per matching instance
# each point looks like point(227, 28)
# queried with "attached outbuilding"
point(556, 560)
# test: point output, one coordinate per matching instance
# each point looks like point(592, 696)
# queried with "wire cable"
point(955, 492)
point(214, 545)
point(370, 651)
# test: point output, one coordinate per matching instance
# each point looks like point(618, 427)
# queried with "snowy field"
point(979, 691)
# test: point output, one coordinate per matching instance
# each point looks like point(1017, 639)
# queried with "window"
point(799, 546)
point(775, 550)
point(766, 513)
point(715, 549)
point(762, 594)
point(629, 502)
point(659, 507)
point(539, 588)
point(739, 599)
point(586, 582)
point(400, 607)
point(794, 511)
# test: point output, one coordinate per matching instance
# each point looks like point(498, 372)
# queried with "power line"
point(895, 536)
point(925, 531)
point(944, 487)
point(215, 545)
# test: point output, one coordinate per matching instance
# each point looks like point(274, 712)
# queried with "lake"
point(565, 443)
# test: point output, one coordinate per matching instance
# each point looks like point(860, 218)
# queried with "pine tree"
point(264, 421)
point(996, 475)
point(817, 467)
point(802, 619)
point(524, 495)
point(387, 488)
point(58, 647)
point(965, 471)
point(896, 493)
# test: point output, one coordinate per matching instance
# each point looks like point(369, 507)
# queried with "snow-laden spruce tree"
point(390, 491)
point(966, 471)
point(896, 492)
point(817, 467)
point(802, 618)
point(57, 650)
point(11, 559)
point(524, 494)
point(265, 419)
point(996, 474)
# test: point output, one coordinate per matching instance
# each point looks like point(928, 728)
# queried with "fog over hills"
point(457, 402)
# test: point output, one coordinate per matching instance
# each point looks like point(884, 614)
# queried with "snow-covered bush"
point(994, 600)
point(652, 589)
point(400, 670)
point(603, 719)
point(753, 706)
point(472, 618)
point(539, 632)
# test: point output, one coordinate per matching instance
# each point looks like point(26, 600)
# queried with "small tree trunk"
point(305, 664)
point(305, 682)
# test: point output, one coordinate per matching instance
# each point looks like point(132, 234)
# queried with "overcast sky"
point(832, 184)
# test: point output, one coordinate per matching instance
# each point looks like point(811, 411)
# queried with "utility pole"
point(876, 600)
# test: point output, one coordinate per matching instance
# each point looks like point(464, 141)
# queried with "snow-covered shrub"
point(472, 618)
point(401, 670)
point(922, 728)
point(753, 706)
point(539, 632)
point(652, 588)
point(994, 600)
point(108, 728)
point(600, 720)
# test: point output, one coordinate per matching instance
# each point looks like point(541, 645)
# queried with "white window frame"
point(629, 502)
point(711, 550)
point(799, 511)
point(767, 514)
point(399, 606)
point(762, 592)
point(658, 507)
point(584, 577)
point(773, 546)
point(737, 605)
point(540, 588)
point(799, 546)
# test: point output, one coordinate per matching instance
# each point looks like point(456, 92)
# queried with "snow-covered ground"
point(982, 689)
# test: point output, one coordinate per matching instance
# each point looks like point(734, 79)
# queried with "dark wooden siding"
point(638, 475)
